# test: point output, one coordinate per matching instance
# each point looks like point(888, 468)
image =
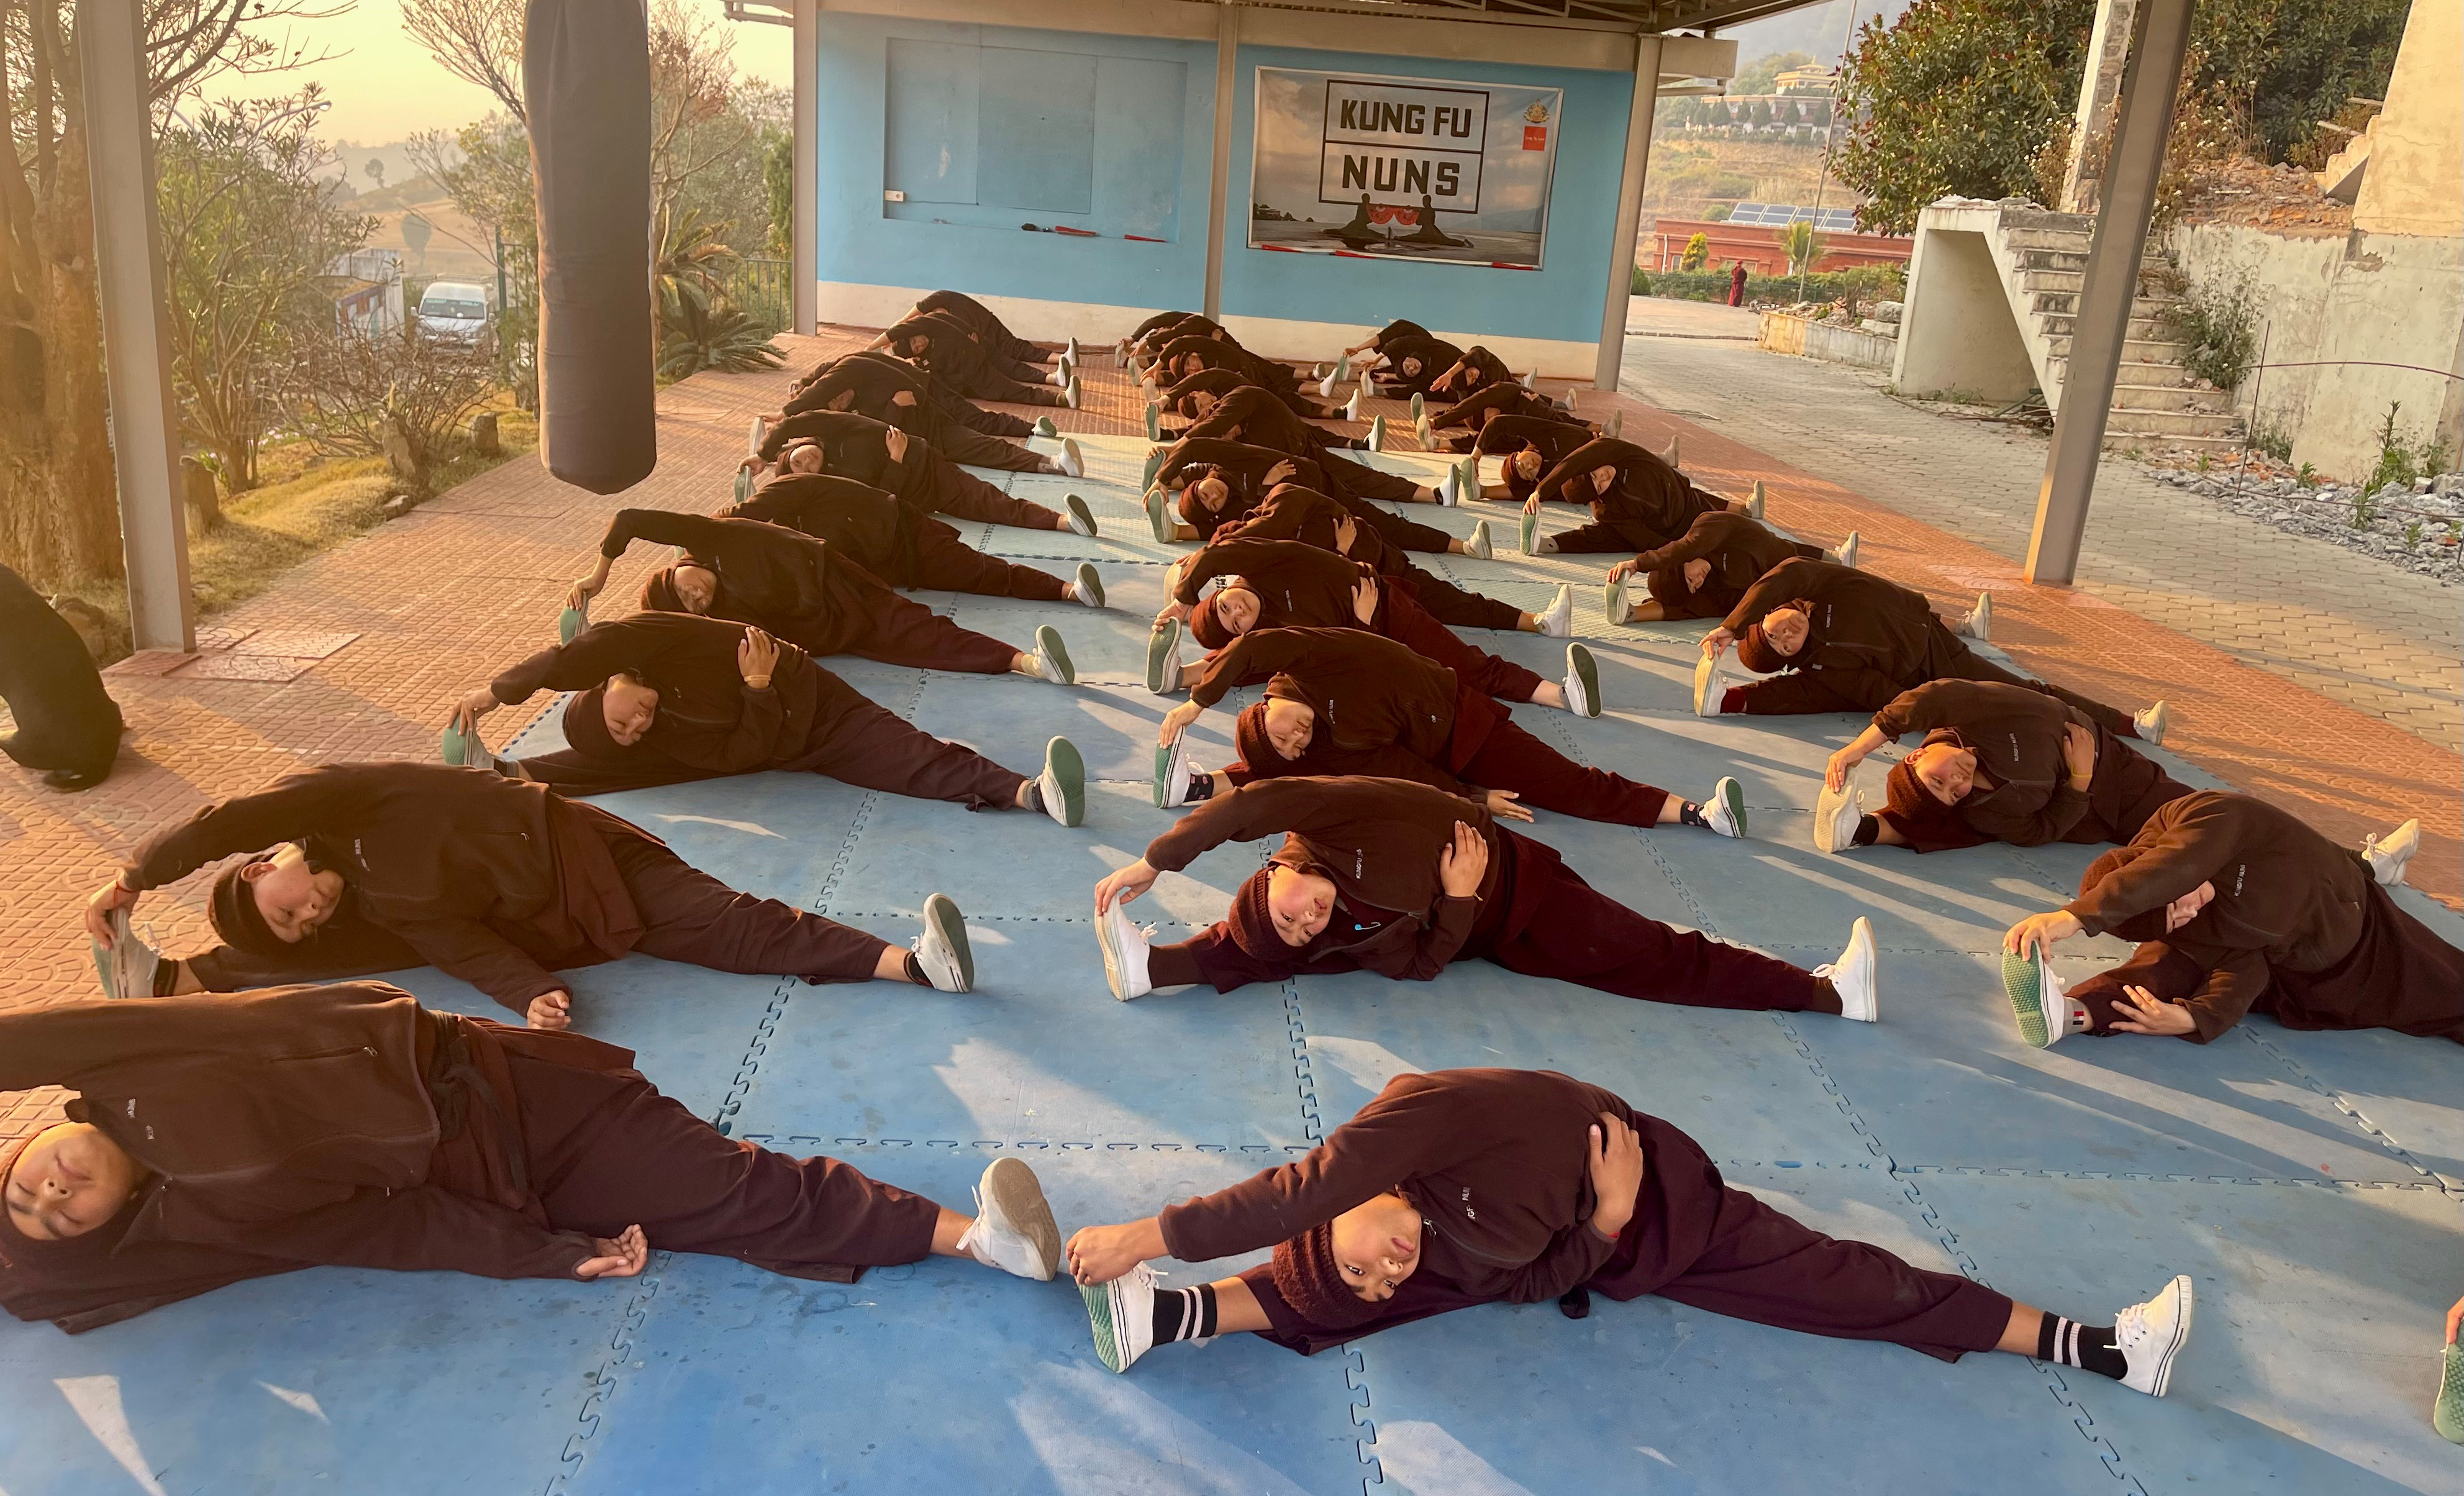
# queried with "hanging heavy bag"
point(586, 89)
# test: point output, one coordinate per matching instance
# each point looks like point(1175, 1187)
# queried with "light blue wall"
point(1104, 119)
point(987, 127)
point(1564, 300)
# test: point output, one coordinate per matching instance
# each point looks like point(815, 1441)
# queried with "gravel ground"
point(2416, 527)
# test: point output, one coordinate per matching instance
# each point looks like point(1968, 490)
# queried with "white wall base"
point(1036, 320)
point(856, 305)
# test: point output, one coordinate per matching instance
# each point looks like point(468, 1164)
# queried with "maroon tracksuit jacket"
point(1477, 369)
point(1299, 586)
point(346, 1125)
point(711, 723)
point(1648, 503)
point(1740, 551)
point(1380, 840)
point(2298, 928)
point(2023, 793)
point(896, 541)
point(1384, 712)
point(1497, 1163)
point(1434, 356)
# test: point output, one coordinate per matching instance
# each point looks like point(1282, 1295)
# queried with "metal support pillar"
point(2160, 38)
point(1628, 214)
point(1218, 192)
point(804, 253)
point(136, 341)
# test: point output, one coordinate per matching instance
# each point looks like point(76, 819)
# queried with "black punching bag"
point(587, 87)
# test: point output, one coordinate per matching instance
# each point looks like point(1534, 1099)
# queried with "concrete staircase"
point(2041, 258)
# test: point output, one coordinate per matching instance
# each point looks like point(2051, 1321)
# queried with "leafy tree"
point(1800, 242)
point(698, 328)
point(485, 169)
point(1698, 253)
point(247, 230)
point(1719, 112)
point(779, 183)
point(59, 518)
point(388, 393)
point(2283, 65)
point(1762, 75)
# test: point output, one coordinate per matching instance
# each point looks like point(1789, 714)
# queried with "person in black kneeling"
point(68, 726)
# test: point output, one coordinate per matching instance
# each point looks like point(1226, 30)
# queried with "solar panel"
point(1775, 215)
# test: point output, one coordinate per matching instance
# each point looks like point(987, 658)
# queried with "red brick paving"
point(387, 630)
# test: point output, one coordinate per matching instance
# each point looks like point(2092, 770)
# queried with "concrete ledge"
point(1786, 332)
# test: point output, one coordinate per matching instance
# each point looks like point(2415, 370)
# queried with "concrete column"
point(1219, 189)
point(802, 255)
point(1628, 214)
point(2159, 42)
point(2108, 50)
point(136, 341)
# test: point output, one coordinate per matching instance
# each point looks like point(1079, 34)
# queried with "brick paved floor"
point(2381, 641)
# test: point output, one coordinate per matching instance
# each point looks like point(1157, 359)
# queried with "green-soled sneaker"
point(2037, 1000)
point(2447, 1413)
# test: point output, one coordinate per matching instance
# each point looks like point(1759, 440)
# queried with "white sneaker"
point(942, 951)
point(2152, 722)
point(1125, 943)
point(1419, 407)
point(1614, 604)
point(2387, 854)
point(1014, 1229)
point(1615, 424)
point(466, 750)
point(1351, 407)
point(1043, 427)
point(2045, 1012)
point(1067, 366)
point(1846, 555)
point(1342, 368)
point(1978, 624)
point(1423, 432)
point(1052, 657)
point(1754, 502)
point(127, 969)
point(1466, 480)
point(1059, 378)
point(1163, 658)
point(1082, 519)
point(1582, 682)
point(1558, 621)
point(572, 621)
point(1835, 815)
point(1073, 462)
point(1121, 1313)
point(1378, 434)
point(1852, 976)
point(1155, 422)
point(1326, 385)
point(1174, 776)
point(1073, 396)
point(1528, 528)
point(1531, 381)
point(752, 443)
point(1071, 352)
point(1088, 585)
point(1671, 457)
point(1063, 784)
point(1160, 515)
point(1710, 684)
point(1479, 547)
point(2150, 1336)
point(1725, 809)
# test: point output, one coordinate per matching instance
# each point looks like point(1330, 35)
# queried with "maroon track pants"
point(867, 617)
point(975, 418)
point(979, 450)
point(606, 1151)
point(856, 740)
point(1359, 480)
point(1506, 756)
point(932, 483)
point(691, 917)
point(946, 563)
point(1579, 934)
point(1456, 607)
point(1403, 619)
point(1009, 388)
point(1755, 1264)
point(1398, 532)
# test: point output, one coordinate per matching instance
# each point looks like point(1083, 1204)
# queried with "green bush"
point(1865, 284)
point(2219, 328)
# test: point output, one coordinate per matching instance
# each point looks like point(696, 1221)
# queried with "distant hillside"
point(1815, 30)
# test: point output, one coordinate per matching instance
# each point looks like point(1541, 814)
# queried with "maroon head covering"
point(585, 724)
point(236, 916)
point(1756, 654)
point(1307, 1276)
point(1207, 624)
point(1913, 806)
point(659, 592)
point(2138, 929)
point(1258, 753)
point(1252, 928)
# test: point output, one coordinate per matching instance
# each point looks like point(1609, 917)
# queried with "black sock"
point(1867, 829)
point(1034, 795)
point(916, 971)
point(1689, 813)
point(2066, 1342)
point(1184, 1313)
point(1200, 787)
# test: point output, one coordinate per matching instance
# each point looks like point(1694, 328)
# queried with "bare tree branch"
point(478, 41)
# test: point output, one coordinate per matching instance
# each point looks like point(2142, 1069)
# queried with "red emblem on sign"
point(1535, 137)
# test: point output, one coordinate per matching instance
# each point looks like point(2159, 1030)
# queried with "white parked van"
point(454, 311)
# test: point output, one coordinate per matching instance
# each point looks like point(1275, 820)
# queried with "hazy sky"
point(384, 85)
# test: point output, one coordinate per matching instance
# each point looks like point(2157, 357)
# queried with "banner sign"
point(1403, 168)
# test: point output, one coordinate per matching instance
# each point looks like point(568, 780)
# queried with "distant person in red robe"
point(1737, 284)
